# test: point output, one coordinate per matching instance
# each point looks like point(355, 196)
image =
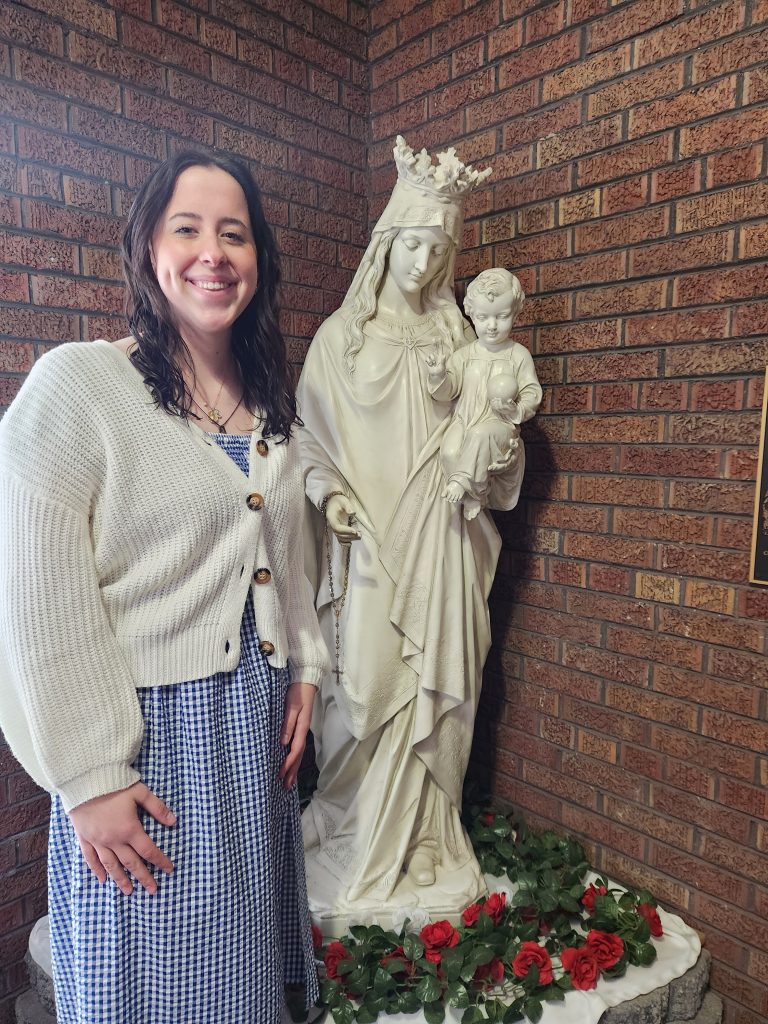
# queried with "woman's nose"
point(212, 252)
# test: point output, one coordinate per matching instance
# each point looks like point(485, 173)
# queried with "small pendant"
point(213, 415)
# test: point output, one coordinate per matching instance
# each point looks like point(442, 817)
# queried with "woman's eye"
point(185, 229)
point(233, 236)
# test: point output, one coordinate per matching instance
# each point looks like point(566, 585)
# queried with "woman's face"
point(416, 256)
point(204, 255)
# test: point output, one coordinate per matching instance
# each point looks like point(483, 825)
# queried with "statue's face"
point(416, 256)
point(492, 317)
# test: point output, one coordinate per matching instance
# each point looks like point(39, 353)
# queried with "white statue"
point(495, 380)
point(402, 587)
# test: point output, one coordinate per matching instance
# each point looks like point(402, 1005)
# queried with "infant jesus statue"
point(496, 389)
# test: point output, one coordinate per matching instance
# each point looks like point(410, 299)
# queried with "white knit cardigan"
point(127, 547)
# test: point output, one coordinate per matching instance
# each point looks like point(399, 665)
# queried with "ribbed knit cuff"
point(308, 674)
point(107, 778)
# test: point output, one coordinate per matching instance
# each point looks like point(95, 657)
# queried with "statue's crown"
point(448, 177)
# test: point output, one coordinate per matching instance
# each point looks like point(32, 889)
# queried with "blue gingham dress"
point(230, 927)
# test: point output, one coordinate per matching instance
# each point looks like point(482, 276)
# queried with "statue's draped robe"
point(393, 736)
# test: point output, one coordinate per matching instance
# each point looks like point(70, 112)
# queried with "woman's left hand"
point(298, 714)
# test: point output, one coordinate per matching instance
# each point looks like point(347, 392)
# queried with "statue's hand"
point(503, 406)
point(509, 458)
point(436, 361)
point(338, 513)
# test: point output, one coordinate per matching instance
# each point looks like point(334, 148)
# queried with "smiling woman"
point(204, 254)
point(159, 650)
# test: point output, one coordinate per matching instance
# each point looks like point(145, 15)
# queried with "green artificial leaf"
point(456, 995)
point(366, 1016)
point(500, 827)
point(396, 966)
point(408, 1002)
point(505, 850)
point(531, 980)
point(413, 947)
point(644, 954)
point(330, 990)
point(358, 981)
point(359, 931)
point(427, 989)
point(452, 962)
point(533, 1010)
point(382, 979)
point(522, 898)
point(513, 1015)
point(474, 1015)
point(344, 967)
point(564, 982)
point(567, 902)
point(344, 1013)
point(528, 932)
point(547, 901)
point(646, 897)
point(552, 994)
point(434, 1013)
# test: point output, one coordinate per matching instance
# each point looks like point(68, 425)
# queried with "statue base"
point(334, 914)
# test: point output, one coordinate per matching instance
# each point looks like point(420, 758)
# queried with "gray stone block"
point(710, 1012)
point(29, 1010)
point(686, 993)
point(42, 984)
point(647, 1009)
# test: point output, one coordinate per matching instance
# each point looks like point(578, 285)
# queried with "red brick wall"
point(90, 101)
point(627, 691)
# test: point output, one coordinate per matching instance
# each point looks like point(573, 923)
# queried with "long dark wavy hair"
point(258, 346)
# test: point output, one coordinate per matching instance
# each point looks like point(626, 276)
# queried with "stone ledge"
point(711, 1012)
point(30, 1010)
point(679, 1002)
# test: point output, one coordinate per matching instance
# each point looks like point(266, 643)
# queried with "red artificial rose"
point(317, 937)
point(491, 973)
point(651, 915)
point(488, 818)
point(333, 955)
point(471, 914)
point(590, 895)
point(608, 949)
point(582, 966)
point(532, 953)
point(437, 936)
point(494, 906)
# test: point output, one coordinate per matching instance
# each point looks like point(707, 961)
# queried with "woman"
point(404, 608)
point(152, 598)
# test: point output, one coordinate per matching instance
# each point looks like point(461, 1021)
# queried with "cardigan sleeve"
point(67, 699)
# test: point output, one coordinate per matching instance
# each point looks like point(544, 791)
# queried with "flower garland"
point(511, 951)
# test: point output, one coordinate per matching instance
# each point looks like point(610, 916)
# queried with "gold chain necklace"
point(211, 410)
point(218, 422)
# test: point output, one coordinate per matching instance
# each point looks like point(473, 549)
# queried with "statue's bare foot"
point(422, 869)
point(471, 507)
point(453, 492)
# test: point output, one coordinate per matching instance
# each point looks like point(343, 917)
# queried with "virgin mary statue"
point(402, 578)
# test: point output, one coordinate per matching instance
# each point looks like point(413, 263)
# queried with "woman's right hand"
point(338, 512)
point(113, 841)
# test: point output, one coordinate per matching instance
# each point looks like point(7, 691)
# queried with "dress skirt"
point(230, 927)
